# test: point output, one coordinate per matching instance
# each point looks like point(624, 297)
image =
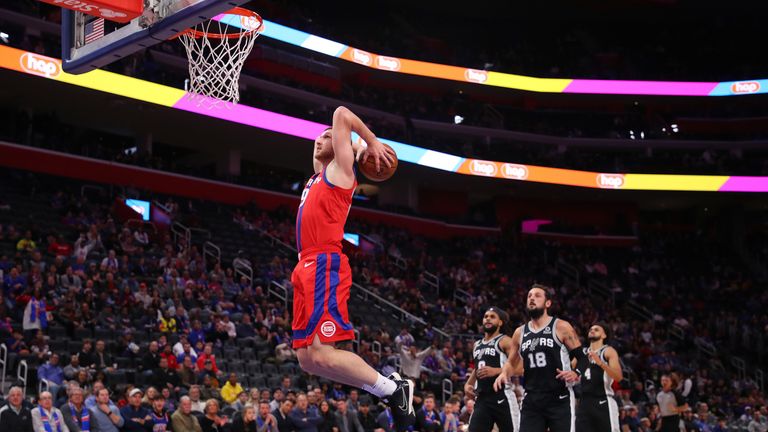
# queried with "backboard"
point(84, 49)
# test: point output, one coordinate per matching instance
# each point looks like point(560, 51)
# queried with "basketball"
point(368, 168)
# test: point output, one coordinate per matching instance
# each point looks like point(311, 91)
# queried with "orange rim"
point(248, 18)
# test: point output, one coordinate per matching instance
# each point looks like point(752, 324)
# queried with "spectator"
point(26, 244)
point(277, 399)
point(207, 355)
point(75, 413)
point(46, 417)
point(198, 405)
point(282, 415)
point(85, 356)
point(164, 377)
point(136, 416)
point(102, 359)
point(186, 373)
point(466, 412)
point(160, 420)
point(151, 359)
point(110, 262)
point(52, 372)
point(367, 420)
point(71, 370)
point(450, 415)
point(427, 418)
point(212, 422)
point(411, 360)
point(104, 415)
point(304, 419)
point(328, 424)
point(14, 416)
point(241, 402)
point(231, 389)
point(168, 354)
point(346, 420)
point(183, 420)
point(385, 421)
point(35, 316)
point(404, 339)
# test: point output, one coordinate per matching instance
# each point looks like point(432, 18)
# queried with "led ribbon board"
point(50, 68)
point(505, 80)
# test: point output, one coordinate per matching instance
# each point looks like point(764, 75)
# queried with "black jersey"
point(596, 383)
point(488, 353)
point(543, 353)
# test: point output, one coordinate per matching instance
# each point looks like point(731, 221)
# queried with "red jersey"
point(323, 211)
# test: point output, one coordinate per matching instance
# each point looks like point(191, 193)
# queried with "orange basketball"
point(368, 168)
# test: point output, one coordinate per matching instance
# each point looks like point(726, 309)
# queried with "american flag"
point(94, 30)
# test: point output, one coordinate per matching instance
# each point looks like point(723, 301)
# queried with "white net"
point(216, 51)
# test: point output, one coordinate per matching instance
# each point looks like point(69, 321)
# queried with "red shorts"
point(321, 284)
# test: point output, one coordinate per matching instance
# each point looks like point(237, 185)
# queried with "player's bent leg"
point(327, 360)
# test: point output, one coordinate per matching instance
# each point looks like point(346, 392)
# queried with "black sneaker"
point(401, 402)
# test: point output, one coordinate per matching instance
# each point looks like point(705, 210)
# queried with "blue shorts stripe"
point(319, 301)
point(333, 304)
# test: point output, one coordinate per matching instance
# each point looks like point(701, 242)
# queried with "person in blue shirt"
point(303, 418)
point(53, 373)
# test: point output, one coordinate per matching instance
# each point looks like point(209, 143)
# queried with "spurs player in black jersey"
point(545, 346)
point(490, 354)
point(598, 411)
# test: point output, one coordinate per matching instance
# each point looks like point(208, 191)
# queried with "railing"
point(447, 389)
point(376, 348)
point(640, 310)
point(210, 250)
point(4, 363)
point(398, 261)
point(597, 288)
point(461, 295)
point(677, 331)
point(245, 270)
point(403, 315)
point(569, 271)
point(760, 379)
point(741, 367)
point(281, 292)
point(705, 347)
point(180, 230)
point(206, 233)
point(432, 280)
point(22, 377)
point(43, 385)
point(360, 291)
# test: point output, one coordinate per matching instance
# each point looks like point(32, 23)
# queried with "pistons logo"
point(328, 328)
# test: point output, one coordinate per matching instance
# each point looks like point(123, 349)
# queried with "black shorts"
point(499, 408)
point(597, 415)
point(670, 424)
point(548, 412)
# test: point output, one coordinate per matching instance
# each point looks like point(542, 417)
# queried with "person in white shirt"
point(110, 262)
point(46, 417)
point(410, 360)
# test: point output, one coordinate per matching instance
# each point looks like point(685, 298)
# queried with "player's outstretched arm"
point(513, 365)
point(344, 123)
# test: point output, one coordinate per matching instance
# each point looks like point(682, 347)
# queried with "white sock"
point(383, 387)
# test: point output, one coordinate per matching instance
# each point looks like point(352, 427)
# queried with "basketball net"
point(216, 50)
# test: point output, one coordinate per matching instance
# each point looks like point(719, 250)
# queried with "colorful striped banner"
point(50, 68)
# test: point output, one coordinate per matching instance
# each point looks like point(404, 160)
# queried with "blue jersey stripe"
point(333, 304)
point(319, 301)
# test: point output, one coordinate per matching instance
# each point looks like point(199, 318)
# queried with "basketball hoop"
point(216, 50)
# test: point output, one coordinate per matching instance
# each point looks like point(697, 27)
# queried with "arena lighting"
point(50, 68)
point(4, 37)
point(505, 80)
point(458, 119)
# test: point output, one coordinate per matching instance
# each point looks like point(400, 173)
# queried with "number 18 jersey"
point(543, 353)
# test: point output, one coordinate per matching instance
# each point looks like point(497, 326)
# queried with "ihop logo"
point(745, 87)
point(476, 76)
point(610, 181)
point(362, 57)
point(483, 168)
point(514, 171)
point(39, 65)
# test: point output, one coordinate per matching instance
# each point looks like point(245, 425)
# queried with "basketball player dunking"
point(322, 278)
point(598, 411)
point(545, 346)
point(490, 354)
